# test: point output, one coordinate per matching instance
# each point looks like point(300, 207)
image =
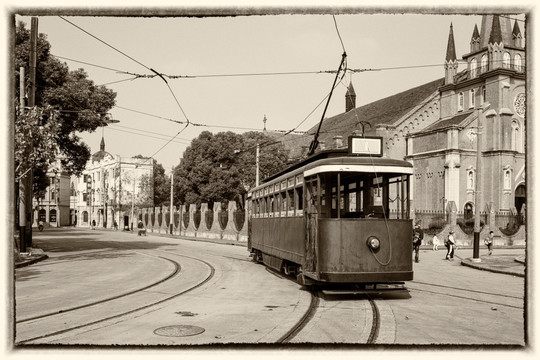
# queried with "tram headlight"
point(373, 243)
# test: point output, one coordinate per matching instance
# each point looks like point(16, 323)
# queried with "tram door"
point(312, 224)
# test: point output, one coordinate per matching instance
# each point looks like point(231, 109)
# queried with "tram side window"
point(283, 197)
point(291, 200)
point(299, 200)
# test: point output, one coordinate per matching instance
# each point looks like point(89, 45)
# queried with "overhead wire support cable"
point(315, 141)
point(105, 43)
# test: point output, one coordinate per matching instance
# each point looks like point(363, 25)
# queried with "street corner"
point(503, 264)
point(32, 256)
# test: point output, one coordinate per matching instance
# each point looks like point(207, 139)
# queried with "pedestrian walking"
point(141, 230)
point(93, 224)
point(435, 242)
point(450, 243)
point(418, 235)
point(489, 242)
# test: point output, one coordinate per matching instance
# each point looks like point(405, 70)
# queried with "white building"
point(53, 208)
point(110, 188)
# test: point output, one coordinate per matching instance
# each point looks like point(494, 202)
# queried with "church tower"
point(350, 98)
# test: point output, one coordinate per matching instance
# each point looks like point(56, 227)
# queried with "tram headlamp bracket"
point(373, 243)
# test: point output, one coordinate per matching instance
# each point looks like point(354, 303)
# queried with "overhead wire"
point(145, 66)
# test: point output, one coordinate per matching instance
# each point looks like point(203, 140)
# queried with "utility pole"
point(477, 186)
point(171, 217)
point(257, 166)
point(19, 186)
point(25, 232)
point(133, 198)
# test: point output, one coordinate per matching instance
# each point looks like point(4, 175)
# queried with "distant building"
point(434, 125)
point(108, 189)
point(53, 208)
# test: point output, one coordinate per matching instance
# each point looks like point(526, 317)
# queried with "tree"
point(160, 184)
point(221, 167)
point(72, 101)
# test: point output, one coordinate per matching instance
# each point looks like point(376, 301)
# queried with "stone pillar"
point(203, 230)
point(215, 231)
point(191, 230)
point(243, 234)
point(230, 232)
point(183, 226)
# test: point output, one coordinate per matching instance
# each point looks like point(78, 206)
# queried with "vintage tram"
point(338, 217)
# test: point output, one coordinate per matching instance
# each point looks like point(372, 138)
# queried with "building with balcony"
point(110, 189)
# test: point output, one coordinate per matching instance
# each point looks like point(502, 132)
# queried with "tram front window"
point(362, 195)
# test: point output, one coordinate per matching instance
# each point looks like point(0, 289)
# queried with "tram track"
point(467, 294)
point(68, 329)
point(177, 269)
point(312, 309)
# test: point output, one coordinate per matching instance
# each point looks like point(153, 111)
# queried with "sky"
point(288, 57)
point(394, 52)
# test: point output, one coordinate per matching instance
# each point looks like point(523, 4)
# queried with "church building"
point(436, 126)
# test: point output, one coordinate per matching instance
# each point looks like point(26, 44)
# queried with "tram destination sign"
point(364, 145)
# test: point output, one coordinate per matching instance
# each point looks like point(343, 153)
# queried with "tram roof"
point(339, 157)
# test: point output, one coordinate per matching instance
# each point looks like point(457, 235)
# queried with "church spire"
point(475, 39)
point(102, 144)
point(451, 47)
point(516, 35)
point(495, 36)
point(350, 98)
point(451, 64)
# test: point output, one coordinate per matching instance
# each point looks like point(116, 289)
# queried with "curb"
point(30, 262)
point(466, 262)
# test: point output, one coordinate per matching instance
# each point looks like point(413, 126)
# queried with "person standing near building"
point(435, 243)
point(450, 245)
point(489, 242)
point(418, 235)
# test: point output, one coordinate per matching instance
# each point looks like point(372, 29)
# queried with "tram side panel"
point(345, 257)
point(279, 238)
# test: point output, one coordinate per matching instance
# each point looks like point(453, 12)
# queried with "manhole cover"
point(179, 330)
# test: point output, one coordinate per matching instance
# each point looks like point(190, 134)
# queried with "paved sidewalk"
point(510, 264)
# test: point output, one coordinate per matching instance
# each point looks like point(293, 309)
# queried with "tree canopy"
point(222, 167)
point(159, 185)
point(74, 103)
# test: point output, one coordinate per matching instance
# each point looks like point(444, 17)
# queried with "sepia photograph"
point(304, 180)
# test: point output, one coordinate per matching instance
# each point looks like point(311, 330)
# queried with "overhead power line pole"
point(171, 217)
point(26, 209)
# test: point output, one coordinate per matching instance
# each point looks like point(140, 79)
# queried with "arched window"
point(506, 60)
point(507, 181)
point(52, 216)
point(85, 216)
point(473, 68)
point(484, 63)
point(483, 94)
point(471, 98)
point(470, 179)
point(516, 137)
point(468, 211)
point(517, 62)
point(42, 215)
point(460, 101)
